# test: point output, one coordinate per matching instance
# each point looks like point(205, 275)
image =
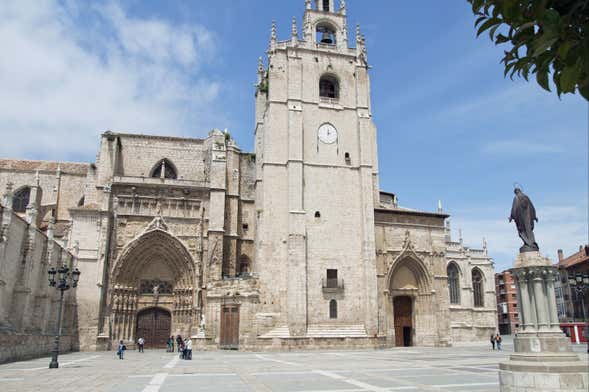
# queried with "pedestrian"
point(170, 345)
point(185, 349)
point(498, 341)
point(121, 350)
point(493, 341)
point(179, 342)
point(188, 348)
point(181, 349)
point(140, 343)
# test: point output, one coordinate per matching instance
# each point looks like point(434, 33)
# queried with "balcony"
point(332, 285)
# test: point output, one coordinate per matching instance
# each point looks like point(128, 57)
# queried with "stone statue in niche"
point(524, 215)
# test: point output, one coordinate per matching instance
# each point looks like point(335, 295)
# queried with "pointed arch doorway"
point(154, 325)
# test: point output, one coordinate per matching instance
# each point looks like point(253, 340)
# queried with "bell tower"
point(316, 175)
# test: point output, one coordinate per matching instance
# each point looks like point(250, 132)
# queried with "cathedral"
point(293, 246)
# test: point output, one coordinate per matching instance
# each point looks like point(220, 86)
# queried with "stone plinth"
point(543, 359)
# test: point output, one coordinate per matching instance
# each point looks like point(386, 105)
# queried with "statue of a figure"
point(524, 215)
point(156, 291)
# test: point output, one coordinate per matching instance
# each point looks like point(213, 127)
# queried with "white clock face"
point(327, 133)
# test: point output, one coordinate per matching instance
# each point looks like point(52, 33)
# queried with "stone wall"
point(28, 306)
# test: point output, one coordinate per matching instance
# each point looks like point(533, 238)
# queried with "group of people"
point(496, 340)
point(184, 346)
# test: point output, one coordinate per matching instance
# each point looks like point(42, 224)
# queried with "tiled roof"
point(44, 166)
point(574, 259)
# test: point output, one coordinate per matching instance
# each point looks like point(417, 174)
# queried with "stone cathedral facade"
point(294, 246)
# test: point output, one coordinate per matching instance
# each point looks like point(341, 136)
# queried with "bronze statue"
point(524, 215)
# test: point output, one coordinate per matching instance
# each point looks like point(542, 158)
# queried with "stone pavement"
point(472, 368)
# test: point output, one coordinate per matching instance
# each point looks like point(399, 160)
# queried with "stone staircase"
point(336, 331)
point(321, 331)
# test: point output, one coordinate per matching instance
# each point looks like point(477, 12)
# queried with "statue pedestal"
point(543, 359)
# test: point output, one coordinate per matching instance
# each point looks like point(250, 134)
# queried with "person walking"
point(121, 350)
point(140, 343)
point(498, 341)
point(170, 345)
point(493, 341)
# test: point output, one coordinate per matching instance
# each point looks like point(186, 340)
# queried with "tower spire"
point(294, 31)
point(273, 36)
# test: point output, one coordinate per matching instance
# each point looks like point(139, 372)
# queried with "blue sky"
point(450, 127)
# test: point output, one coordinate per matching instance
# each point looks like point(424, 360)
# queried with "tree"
point(547, 37)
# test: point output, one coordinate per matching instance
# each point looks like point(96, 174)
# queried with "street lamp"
point(579, 284)
point(62, 284)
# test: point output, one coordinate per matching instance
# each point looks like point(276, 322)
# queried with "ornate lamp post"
point(62, 284)
point(580, 284)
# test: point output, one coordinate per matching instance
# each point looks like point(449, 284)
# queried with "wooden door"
point(154, 325)
point(230, 327)
point(403, 308)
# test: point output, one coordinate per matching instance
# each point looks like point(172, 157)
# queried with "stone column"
point(543, 359)
point(542, 315)
point(529, 322)
point(553, 313)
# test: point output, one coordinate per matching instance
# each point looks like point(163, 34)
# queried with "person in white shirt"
point(140, 343)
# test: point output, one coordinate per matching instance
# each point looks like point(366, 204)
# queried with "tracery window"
point(149, 286)
point(333, 309)
point(453, 283)
point(164, 169)
point(21, 198)
point(477, 288)
point(328, 87)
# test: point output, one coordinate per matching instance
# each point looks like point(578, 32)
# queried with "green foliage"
point(548, 38)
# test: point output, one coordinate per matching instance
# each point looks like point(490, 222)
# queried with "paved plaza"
point(472, 368)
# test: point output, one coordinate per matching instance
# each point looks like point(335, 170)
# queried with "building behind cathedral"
point(293, 246)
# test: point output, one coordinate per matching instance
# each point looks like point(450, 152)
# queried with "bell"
point(326, 38)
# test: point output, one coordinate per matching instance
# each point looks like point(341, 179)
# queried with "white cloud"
point(64, 82)
point(559, 227)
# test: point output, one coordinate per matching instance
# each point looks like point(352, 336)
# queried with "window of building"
point(21, 198)
point(317, 214)
point(453, 283)
point(164, 169)
point(333, 309)
point(477, 288)
point(331, 279)
point(326, 5)
point(328, 87)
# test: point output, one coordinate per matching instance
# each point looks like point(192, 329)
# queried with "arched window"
point(326, 5)
point(164, 169)
point(453, 283)
point(328, 87)
point(21, 198)
point(244, 266)
point(477, 288)
point(325, 34)
point(333, 309)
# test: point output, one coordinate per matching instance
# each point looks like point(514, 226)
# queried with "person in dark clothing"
point(493, 341)
point(179, 342)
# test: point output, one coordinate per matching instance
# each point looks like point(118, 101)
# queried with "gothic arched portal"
point(153, 271)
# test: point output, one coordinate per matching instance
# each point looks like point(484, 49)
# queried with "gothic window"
point(20, 200)
point(328, 87)
point(453, 283)
point(333, 309)
point(326, 5)
point(164, 169)
point(477, 288)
